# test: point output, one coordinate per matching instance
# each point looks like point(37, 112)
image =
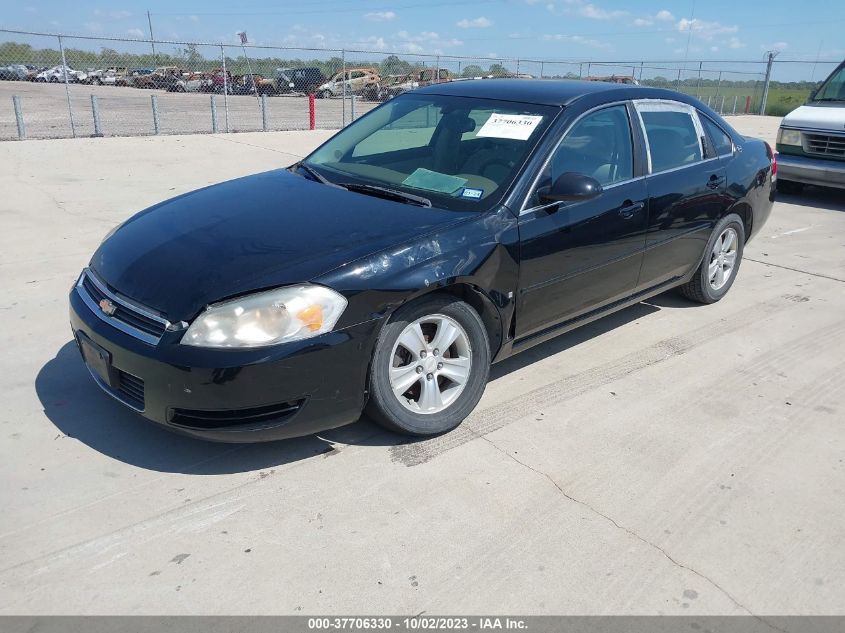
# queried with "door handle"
point(715, 182)
point(628, 211)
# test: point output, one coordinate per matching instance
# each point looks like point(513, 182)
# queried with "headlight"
point(267, 318)
point(789, 137)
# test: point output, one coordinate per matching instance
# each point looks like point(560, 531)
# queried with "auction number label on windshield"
point(515, 126)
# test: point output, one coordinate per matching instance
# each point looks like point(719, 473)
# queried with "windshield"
point(461, 153)
point(833, 89)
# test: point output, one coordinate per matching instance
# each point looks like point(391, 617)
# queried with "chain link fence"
point(58, 86)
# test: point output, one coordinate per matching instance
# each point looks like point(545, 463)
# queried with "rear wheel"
point(430, 367)
point(790, 186)
point(324, 94)
point(719, 267)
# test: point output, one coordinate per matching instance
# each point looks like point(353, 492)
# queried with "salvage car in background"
point(162, 77)
point(132, 76)
point(107, 76)
point(192, 82)
point(14, 72)
point(58, 74)
point(811, 139)
point(305, 80)
point(447, 229)
point(353, 81)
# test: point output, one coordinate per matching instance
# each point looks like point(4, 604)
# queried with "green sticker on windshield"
point(434, 181)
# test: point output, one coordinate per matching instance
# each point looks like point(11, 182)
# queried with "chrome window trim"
point(546, 162)
point(116, 323)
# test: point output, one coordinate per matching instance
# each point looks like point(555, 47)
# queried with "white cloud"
point(119, 15)
point(30, 9)
point(643, 22)
point(380, 16)
point(577, 39)
point(94, 27)
point(714, 48)
point(664, 16)
point(194, 18)
point(136, 33)
point(704, 29)
point(375, 43)
point(735, 42)
point(593, 12)
point(475, 23)
point(424, 40)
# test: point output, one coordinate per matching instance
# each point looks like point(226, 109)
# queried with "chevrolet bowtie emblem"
point(107, 307)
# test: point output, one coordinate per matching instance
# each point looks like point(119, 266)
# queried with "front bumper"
point(254, 395)
point(811, 171)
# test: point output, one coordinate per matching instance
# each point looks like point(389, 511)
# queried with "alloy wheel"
point(722, 259)
point(430, 364)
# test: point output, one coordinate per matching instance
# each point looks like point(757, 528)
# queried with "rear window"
point(672, 139)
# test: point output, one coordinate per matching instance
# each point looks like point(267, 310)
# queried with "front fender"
point(481, 254)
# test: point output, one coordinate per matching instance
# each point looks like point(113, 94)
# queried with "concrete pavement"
point(671, 458)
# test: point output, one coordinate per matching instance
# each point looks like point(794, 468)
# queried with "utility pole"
point(152, 43)
point(772, 55)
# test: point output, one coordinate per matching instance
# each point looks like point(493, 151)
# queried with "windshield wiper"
point(315, 175)
point(385, 192)
point(828, 99)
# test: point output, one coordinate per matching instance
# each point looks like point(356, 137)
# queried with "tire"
point(470, 355)
point(324, 94)
point(790, 187)
point(706, 286)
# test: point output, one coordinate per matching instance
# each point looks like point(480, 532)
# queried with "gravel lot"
point(128, 111)
point(669, 459)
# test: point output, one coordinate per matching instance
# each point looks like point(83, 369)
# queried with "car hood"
point(257, 232)
point(824, 116)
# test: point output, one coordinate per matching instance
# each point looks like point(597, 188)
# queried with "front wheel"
point(719, 267)
point(430, 367)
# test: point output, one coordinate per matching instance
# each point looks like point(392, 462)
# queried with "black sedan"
point(445, 230)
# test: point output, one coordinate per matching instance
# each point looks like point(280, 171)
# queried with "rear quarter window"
point(722, 143)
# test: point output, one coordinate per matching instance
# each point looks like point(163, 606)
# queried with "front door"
point(577, 257)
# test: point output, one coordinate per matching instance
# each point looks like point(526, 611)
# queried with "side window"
point(672, 138)
point(599, 145)
point(721, 142)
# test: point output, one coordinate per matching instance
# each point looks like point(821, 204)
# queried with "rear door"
point(685, 184)
point(577, 257)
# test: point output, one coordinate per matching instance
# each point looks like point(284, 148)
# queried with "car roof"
point(551, 92)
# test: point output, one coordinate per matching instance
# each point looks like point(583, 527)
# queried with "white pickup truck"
point(811, 139)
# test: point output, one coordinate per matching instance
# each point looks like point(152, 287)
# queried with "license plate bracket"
point(98, 359)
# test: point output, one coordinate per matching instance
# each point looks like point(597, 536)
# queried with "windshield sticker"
point(515, 126)
point(472, 194)
point(434, 181)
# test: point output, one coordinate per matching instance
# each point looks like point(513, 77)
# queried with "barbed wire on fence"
point(62, 85)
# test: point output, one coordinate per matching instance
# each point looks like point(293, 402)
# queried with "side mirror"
point(571, 187)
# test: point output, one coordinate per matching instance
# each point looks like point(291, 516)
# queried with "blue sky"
point(559, 29)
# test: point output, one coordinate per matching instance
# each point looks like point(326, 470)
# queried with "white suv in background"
point(811, 139)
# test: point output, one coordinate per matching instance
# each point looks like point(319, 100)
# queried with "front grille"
point(201, 419)
point(127, 317)
point(832, 145)
point(131, 389)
